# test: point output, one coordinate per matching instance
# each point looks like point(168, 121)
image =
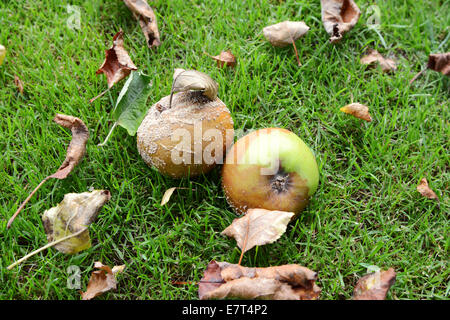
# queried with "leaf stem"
point(100, 95)
point(48, 245)
point(417, 75)
point(25, 202)
point(107, 137)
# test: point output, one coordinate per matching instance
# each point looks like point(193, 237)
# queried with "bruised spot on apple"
point(272, 169)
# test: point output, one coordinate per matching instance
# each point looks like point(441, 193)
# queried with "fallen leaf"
point(2, 54)
point(425, 190)
point(357, 110)
point(167, 195)
point(439, 62)
point(75, 213)
point(212, 279)
point(338, 17)
point(186, 80)
point(75, 153)
point(374, 56)
point(258, 227)
point(225, 58)
point(101, 280)
point(374, 286)
point(19, 84)
point(131, 105)
point(77, 146)
point(117, 64)
point(287, 282)
point(147, 20)
point(285, 33)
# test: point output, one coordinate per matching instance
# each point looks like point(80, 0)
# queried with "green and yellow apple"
point(272, 169)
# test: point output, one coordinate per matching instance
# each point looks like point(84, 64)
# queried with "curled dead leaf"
point(373, 56)
point(425, 190)
point(186, 80)
point(225, 58)
point(147, 20)
point(258, 227)
point(338, 17)
point(19, 84)
point(285, 33)
point(287, 282)
point(357, 110)
point(374, 286)
point(75, 213)
point(117, 64)
point(102, 280)
point(75, 153)
point(439, 62)
point(167, 195)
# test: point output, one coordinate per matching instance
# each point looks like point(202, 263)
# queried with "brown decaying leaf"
point(287, 282)
point(19, 84)
point(147, 20)
point(75, 213)
point(425, 190)
point(117, 64)
point(75, 153)
point(374, 286)
point(101, 280)
point(285, 33)
point(338, 17)
point(225, 58)
point(186, 80)
point(439, 62)
point(373, 56)
point(357, 110)
point(258, 227)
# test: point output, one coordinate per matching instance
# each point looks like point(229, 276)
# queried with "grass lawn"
point(366, 211)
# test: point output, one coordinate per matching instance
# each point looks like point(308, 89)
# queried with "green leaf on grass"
point(131, 105)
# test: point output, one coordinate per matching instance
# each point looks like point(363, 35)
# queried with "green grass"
point(366, 211)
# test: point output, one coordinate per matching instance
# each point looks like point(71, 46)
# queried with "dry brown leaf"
point(373, 56)
point(212, 279)
point(74, 214)
point(167, 195)
point(225, 58)
point(258, 227)
point(440, 62)
point(285, 33)
point(425, 190)
point(75, 153)
point(374, 286)
point(117, 64)
point(147, 20)
point(186, 80)
point(19, 84)
point(357, 110)
point(338, 17)
point(101, 280)
point(287, 282)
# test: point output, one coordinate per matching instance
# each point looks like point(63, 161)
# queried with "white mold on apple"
point(272, 169)
point(186, 133)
